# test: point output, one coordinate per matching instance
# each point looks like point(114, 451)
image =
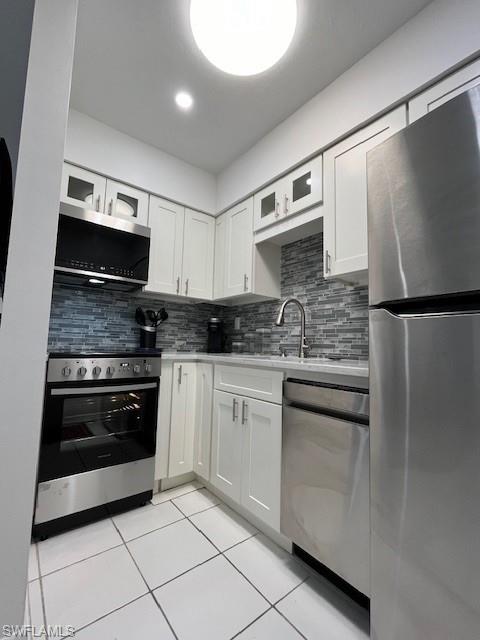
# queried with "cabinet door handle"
point(285, 205)
point(234, 409)
point(277, 208)
point(178, 284)
point(180, 375)
point(328, 265)
point(245, 282)
point(186, 287)
point(244, 411)
point(110, 207)
point(97, 203)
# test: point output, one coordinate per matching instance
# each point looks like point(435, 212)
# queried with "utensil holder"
point(148, 337)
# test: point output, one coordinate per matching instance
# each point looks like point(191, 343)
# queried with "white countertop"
point(356, 368)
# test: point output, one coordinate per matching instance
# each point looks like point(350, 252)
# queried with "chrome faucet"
point(280, 321)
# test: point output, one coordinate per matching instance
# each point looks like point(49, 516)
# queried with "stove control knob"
point(97, 370)
point(110, 371)
point(66, 371)
point(136, 368)
point(82, 371)
point(148, 368)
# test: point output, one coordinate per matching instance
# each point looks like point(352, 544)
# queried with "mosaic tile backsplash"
point(336, 314)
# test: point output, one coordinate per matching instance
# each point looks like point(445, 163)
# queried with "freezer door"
point(424, 204)
point(425, 476)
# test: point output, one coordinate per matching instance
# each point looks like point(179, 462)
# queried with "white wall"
point(28, 288)
point(97, 146)
point(440, 37)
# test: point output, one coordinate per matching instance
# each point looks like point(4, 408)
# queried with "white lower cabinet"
point(246, 453)
point(227, 437)
point(262, 459)
point(182, 422)
point(203, 420)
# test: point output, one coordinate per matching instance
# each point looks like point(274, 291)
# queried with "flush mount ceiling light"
point(184, 100)
point(243, 37)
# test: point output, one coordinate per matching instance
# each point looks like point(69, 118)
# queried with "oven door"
point(88, 427)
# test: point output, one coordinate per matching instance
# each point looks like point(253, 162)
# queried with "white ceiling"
point(132, 56)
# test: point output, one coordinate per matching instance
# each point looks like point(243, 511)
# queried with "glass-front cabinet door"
point(83, 188)
point(267, 204)
point(304, 187)
point(126, 202)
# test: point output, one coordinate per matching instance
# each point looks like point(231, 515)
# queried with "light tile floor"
point(186, 567)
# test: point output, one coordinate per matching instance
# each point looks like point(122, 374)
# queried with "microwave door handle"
point(84, 391)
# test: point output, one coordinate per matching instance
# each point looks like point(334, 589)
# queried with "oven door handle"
point(82, 391)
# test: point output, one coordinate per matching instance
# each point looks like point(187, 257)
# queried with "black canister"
point(216, 336)
point(148, 337)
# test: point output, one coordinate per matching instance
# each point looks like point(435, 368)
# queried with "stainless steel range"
point(97, 452)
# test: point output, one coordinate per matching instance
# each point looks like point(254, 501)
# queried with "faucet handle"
point(304, 348)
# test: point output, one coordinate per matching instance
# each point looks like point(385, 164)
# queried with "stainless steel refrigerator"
point(424, 289)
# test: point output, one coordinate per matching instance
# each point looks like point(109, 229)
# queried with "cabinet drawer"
point(251, 382)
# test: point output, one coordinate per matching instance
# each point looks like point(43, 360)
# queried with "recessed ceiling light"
point(184, 100)
point(243, 37)
point(96, 281)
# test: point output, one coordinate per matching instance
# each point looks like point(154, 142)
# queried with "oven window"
point(96, 429)
point(116, 414)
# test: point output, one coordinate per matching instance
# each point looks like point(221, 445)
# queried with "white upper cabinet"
point(239, 248)
point(198, 255)
point(220, 254)
point(444, 91)
point(243, 271)
point(126, 202)
point(267, 204)
point(345, 201)
point(181, 251)
point(83, 188)
point(92, 191)
point(295, 192)
point(304, 187)
point(166, 221)
point(182, 426)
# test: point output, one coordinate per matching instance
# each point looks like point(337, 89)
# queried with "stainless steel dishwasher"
point(325, 476)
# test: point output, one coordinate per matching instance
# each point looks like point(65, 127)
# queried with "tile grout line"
point(229, 561)
point(271, 605)
point(147, 533)
point(156, 504)
point(196, 512)
point(122, 542)
point(89, 624)
point(150, 591)
point(283, 615)
point(291, 623)
point(94, 555)
point(40, 584)
point(251, 623)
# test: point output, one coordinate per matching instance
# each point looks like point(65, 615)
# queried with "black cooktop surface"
point(124, 353)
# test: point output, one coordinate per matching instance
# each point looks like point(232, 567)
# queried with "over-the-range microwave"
point(98, 250)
